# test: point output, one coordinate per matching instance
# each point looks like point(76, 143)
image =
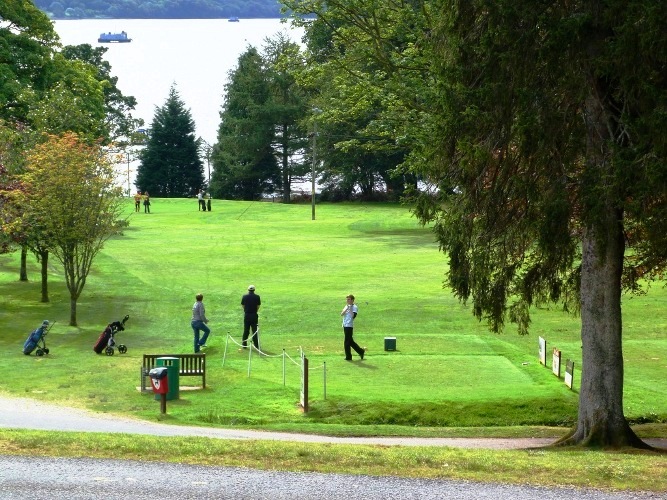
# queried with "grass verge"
point(624, 471)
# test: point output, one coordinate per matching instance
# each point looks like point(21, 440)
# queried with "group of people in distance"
point(250, 303)
point(203, 204)
point(145, 197)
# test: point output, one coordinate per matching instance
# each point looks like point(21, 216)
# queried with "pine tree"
point(170, 164)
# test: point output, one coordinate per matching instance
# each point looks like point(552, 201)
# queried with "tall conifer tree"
point(245, 167)
point(170, 164)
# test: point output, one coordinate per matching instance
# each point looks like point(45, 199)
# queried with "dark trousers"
point(250, 322)
point(350, 344)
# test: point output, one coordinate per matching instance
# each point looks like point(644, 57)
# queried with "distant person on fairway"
point(250, 303)
point(147, 203)
point(137, 201)
point(199, 321)
point(202, 203)
point(348, 313)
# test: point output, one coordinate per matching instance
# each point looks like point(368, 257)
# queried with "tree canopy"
point(262, 138)
point(27, 41)
point(245, 167)
point(170, 163)
point(71, 194)
point(536, 129)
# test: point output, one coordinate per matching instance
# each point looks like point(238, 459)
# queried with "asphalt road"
point(28, 478)
point(59, 478)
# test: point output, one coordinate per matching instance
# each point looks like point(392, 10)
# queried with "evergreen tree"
point(243, 160)
point(170, 164)
point(287, 106)
point(548, 118)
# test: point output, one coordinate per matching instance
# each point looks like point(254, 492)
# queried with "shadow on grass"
point(415, 237)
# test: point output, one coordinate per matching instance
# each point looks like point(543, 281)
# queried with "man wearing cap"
point(250, 303)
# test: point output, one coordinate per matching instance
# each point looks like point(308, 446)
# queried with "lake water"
point(194, 54)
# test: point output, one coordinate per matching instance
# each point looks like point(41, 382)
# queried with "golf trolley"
point(36, 340)
point(106, 341)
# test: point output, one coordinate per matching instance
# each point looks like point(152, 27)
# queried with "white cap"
point(251, 287)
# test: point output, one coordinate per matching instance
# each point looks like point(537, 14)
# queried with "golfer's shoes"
point(363, 352)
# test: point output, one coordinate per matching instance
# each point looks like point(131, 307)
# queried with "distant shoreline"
point(102, 18)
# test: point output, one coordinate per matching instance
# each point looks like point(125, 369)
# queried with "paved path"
point(23, 413)
point(30, 414)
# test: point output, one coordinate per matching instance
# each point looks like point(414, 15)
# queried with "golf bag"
point(36, 340)
point(106, 342)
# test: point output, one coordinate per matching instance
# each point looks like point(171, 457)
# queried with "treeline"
point(159, 9)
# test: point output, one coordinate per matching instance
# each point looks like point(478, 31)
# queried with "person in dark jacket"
point(250, 303)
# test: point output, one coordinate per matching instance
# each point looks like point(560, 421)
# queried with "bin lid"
point(158, 373)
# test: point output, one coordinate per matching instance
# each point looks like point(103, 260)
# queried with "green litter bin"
point(173, 368)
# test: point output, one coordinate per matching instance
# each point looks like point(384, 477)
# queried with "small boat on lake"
point(114, 38)
point(233, 19)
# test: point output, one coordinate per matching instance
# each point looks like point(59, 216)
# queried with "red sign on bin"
point(160, 386)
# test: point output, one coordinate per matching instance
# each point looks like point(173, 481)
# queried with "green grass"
point(448, 371)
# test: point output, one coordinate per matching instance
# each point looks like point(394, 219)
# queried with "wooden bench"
point(189, 365)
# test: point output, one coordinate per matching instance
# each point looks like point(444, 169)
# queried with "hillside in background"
point(159, 9)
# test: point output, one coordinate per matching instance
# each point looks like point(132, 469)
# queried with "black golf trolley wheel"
point(46, 350)
point(39, 352)
point(122, 348)
point(109, 351)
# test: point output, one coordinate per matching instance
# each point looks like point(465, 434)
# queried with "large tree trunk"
point(23, 273)
point(287, 187)
point(601, 421)
point(44, 258)
point(72, 311)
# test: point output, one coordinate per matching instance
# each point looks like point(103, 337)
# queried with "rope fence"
point(284, 355)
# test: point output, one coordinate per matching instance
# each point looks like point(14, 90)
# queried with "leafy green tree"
point(243, 158)
point(10, 186)
point(16, 230)
point(170, 163)
point(118, 108)
point(27, 40)
point(70, 190)
point(551, 126)
point(548, 122)
point(262, 117)
point(40, 90)
point(73, 102)
point(364, 132)
point(286, 107)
